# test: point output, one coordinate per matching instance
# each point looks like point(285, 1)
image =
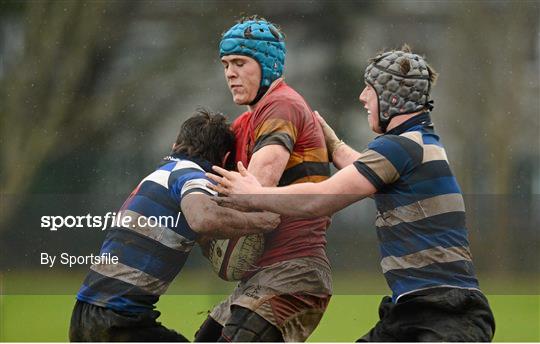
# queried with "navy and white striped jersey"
point(420, 210)
point(150, 254)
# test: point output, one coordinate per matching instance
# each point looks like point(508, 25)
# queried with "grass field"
point(46, 317)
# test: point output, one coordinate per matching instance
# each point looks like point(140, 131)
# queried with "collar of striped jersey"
point(423, 119)
point(206, 165)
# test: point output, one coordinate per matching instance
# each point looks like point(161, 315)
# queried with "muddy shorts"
point(434, 315)
point(90, 323)
point(291, 295)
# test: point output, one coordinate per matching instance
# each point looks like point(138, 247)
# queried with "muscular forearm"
point(230, 223)
point(207, 218)
point(305, 200)
point(344, 155)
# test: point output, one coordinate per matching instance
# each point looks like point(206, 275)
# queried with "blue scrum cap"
point(259, 40)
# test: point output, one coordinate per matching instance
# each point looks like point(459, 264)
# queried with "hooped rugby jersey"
point(282, 117)
point(420, 210)
point(150, 253)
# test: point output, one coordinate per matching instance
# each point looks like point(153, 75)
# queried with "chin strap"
point(260, 94)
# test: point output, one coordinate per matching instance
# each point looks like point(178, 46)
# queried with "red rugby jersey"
point(283, 117)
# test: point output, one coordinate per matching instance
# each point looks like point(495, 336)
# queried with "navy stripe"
point(144, 254)
point(185, 230)
point(159, 194)
point(369, 174)
point(148, 207)
point(304, 169)
point(435, 187)
point(402, 152)
point(168, 166)
point(112, 293)
point(401, 194)
point(107, 286)
point(458, 274)
point(421, 241)
point(118, 303)
point(428, 226)
point(429, 138)
point(179, 177)
point(429, 170)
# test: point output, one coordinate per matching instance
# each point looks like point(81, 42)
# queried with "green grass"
point(46, 318)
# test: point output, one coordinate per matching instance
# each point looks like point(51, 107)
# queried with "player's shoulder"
point(287, 105)
point(183, 170)
point(398, 147)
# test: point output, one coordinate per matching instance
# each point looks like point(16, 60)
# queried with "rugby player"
point(281, 141)
point(116, 301)
point(421, 214)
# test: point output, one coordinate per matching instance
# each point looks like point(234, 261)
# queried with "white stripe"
point(160, 176)
point(415, 136)
point(433, 152)
point(420, 210)
point(186, 164)
point(130, 275)
point(425, 257)
point(199, 183)
point(163, 235)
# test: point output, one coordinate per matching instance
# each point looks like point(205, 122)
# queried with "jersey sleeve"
point(277, 124)
point(191, 182)
point(387, 159)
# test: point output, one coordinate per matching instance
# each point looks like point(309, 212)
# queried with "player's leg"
point(90, 323)
point(384, 330)
point(451, 315)
point(435, 315)
point(248, 326)
point(210, 331)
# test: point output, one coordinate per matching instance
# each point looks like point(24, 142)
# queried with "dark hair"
point(206, 135)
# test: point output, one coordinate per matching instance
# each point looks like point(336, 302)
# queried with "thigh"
point(245, 325)
point(156, 333)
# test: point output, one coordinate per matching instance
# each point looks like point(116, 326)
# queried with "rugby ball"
point(232, 258)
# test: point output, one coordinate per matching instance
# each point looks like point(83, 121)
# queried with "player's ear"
point(173, 146)
point(225, 158)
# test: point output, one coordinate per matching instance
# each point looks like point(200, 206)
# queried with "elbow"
point(203, 225)
point(198, 225)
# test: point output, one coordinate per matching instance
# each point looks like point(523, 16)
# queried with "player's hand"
point(234, 183)
point(332, 141)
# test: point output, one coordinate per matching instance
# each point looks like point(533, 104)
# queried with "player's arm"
point(207, 218)
point(298, 200)
point(268, 163)
point(341, 154)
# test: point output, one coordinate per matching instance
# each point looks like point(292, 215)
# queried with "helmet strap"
point(260, 93)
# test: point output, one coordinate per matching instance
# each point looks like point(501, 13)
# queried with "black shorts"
point(90, 323)
point(434, 315)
